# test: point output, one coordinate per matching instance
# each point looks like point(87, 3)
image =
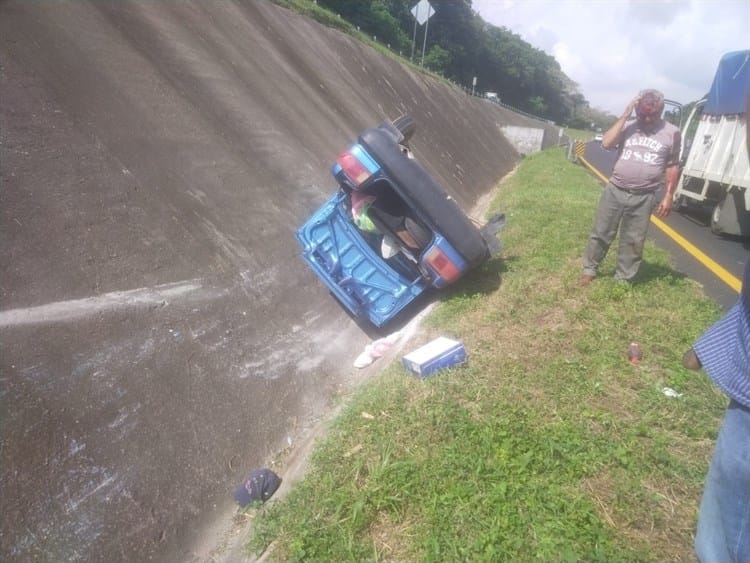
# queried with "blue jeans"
point(724, 518)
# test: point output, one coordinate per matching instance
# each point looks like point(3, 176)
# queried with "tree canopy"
point(461, 46)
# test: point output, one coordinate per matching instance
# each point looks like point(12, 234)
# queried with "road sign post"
point(422, 11)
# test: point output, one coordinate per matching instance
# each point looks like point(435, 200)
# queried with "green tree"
point(437, 59)
point(461, 45)
point(383, 19)
point(538, 105)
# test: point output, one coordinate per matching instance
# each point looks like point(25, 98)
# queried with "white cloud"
point(614, 48)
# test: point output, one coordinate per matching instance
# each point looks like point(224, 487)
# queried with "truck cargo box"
point(715, 166)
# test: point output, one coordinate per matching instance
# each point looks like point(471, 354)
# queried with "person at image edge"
point(723, 351)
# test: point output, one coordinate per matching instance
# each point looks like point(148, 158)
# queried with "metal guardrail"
point(506, 106)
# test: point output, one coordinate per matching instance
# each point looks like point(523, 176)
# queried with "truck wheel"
point(406, 126)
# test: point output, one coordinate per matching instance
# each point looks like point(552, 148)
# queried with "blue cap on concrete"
point(259, 486)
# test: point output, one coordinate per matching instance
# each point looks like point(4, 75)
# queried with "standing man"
point(648, 152)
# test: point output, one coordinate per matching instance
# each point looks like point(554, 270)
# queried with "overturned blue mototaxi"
point(390, 231)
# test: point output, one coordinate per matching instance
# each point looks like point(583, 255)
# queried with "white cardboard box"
point(438, 354)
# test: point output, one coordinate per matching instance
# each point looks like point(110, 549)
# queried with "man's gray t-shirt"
point(644, 155)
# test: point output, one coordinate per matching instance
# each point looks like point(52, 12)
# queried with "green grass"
point(548, 444)
point(579, 134)
point(321, 15)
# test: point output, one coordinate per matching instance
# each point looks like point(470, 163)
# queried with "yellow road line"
point(720, 272)
point(591, 167)
point(690, 248)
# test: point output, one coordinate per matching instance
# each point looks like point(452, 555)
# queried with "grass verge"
point(548, 444)
point(579, 134)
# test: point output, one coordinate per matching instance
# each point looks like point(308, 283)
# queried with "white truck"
point(715, 167)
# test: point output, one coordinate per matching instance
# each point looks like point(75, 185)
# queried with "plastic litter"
point(669, 392)
point(360, 207)
point(354, 450)
point(634, 353)
point(376, 349)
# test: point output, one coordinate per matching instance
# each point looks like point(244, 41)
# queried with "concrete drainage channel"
point(161, 336)
point(228, 545)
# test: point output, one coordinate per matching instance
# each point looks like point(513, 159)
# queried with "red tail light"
point(353, 168)
point(439, 262)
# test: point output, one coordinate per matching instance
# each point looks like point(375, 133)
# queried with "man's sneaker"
point(586, 279)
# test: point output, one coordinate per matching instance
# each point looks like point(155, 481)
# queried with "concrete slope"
point(160, 335)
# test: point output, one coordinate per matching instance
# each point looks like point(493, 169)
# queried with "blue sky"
point(614, 48)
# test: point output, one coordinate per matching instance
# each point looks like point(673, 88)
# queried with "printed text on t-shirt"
point(649, 156)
